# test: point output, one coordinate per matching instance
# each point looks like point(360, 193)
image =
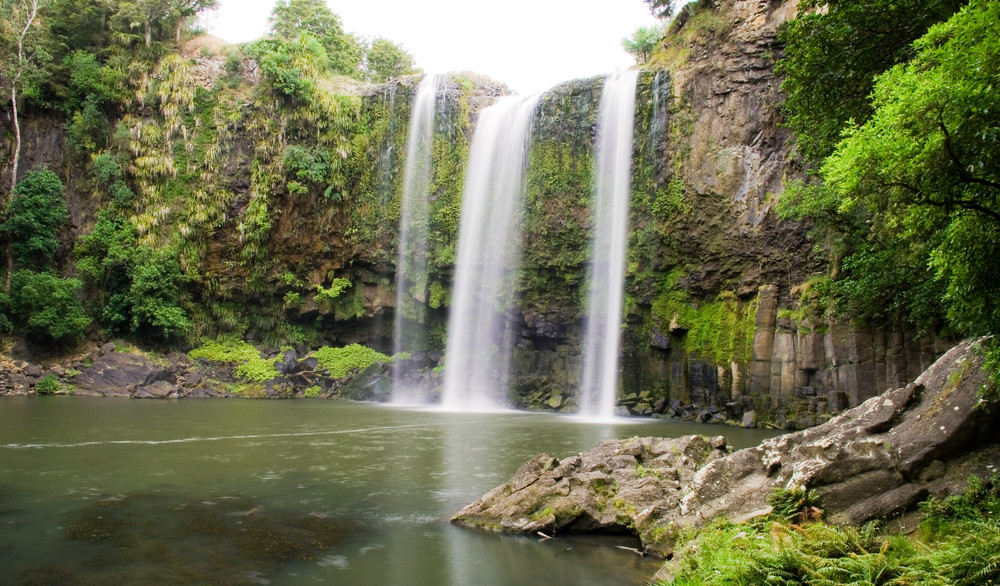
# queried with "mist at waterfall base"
point(100, 491)
point(599, 386)
point(411, 263)
point(480, 328)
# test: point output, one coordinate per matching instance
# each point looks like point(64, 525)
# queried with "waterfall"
point(607, 270)
point(411, 262)
point(480, 339)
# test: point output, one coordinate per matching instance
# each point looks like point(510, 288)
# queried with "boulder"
point(158, 390)
point(117, 374)
point(875, 461)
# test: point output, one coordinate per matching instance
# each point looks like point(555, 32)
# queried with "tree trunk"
point(17, 138)
point(29, 17)
point(149, 33)
point(10, 267)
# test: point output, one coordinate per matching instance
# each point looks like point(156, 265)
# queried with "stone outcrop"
point(118, 374)
point(875, 461)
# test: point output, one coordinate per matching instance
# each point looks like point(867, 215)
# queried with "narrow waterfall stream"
point(479, 336)
point(607, 270)
point(411, 264)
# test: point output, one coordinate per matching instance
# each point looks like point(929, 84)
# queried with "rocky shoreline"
point(112, 371)
point(122, 370)
point(876, 461)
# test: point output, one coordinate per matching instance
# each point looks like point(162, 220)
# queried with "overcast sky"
point(529, 44)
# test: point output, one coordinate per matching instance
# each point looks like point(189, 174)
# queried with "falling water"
point(411, 264)
point(479, 336)
point(607, 271)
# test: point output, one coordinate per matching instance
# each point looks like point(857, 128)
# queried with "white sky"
point(530, 45)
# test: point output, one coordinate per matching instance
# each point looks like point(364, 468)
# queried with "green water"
point(117, 491)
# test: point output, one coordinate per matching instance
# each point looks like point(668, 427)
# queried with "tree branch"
point(962, 173)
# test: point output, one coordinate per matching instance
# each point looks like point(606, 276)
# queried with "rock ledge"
point(877, 460)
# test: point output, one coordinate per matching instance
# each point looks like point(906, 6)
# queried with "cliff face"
point(718, 309)
point(718, 319)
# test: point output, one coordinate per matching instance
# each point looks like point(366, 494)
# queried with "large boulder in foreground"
point(877, 460)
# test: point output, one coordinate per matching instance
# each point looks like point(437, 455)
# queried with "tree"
point(160, 13)
point(385, 59)
point(918, 184)
point(833, 54)
point(929, 159)
point(291, 18)
point(45, 307)
point(643, 42)
point(19, 23)
point(661, 8)
point(35, 216)
point(291, 66)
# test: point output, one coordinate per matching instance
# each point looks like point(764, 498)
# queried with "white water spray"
point(411, 262)
point(480, 339)
point(599, 385)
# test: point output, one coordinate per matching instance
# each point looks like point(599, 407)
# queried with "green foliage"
point(257, 369)
point(312, 392)
point(48, 385)
point(329, 294)
point(643, 42)
point(990, 349)
point(225, 350)
point(720, 331)
point(342, 361)
point(135, 288)
point(157, 19)
point(292, 19)
point(35, 217)
point(385, 60)
point(833, 54)
point(979, 501)
point(439, 296)
point(290, 66)
point(307, 165)
point(671, 202)
point(45, 308)
point(959, 543)
point(788, 503)
point(911, 197)
point(154, 295)
point(93, 90)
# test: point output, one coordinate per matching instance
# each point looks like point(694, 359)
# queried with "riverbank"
point(236, 369)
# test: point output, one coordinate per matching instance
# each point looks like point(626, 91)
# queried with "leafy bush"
point(257, 369)
point(225, 350)
point(135, 288)
point(48, 385)
point(35, 216)
point(251, 366)
point(46, 308)
point(341, 361)
point(291, 66)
